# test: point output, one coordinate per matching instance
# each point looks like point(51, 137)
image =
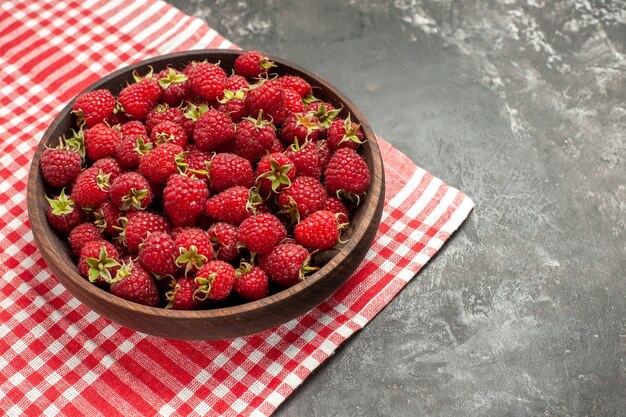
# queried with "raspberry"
point(101, 141)
point(274, 172)
point(169, 132)
point(318, 231)
point(163, 113)
point(286, 264)
point(138, 99)
point(214, 131)
point(158, 164)
point(252, 64)
point(91, 188)
point(215, 280)
point(347, 174)
point(157, 254)
point(109, 166)
point(254, 138)
point(227, 170)
point(224, 238)
point(81, 235)
point(98, 261)
point(131, 191)
point(251, 283)
point(344, 134)
point(305, 196)
point(208, 81)
point(184, 198)
point(193, 249)
point(231, 205)
point(59, 167)
point(94, 107)
point(134, 283)
point(298, 84)
point(182, 295)
point(261, 233)
point(175, 86)
point(137, 225)
point(63, 214)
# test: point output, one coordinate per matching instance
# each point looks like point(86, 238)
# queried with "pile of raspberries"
point(194, 189)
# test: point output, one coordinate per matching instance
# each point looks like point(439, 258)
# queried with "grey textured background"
point(522, 105)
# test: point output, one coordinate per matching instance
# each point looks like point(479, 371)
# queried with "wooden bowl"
point(226, 322)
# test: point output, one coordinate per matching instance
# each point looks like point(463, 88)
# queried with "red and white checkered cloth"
point(57, 356)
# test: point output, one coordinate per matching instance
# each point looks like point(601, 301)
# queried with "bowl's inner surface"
point(360, 234)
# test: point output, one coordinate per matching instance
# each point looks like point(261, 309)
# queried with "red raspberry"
point(117, 118)
point(316, 106)
point(175, 86)
point(197, 163)
point(98, 261)
point(268, 97)
point(274, 172)
point(236, 83)
point(252, 64)
point(277, 146)
point(130, 150)
point(231, 205)
point(254, 138)
point(306, 159)
point(347, 173)
point(324, 112)
point(59, 167)
point(293, 101)
point(227, 170)
point(214, 131)
point(158, 254)
point(63, 214)
point(192, 113)
point(81, 235)
point(251, 283)
point(163, 113)
point(261, 233)
point(182, 296)
point(208, 81)
point(233, 103)
point(224, 238)
point(337, 206)
point(134, 283)
point(305, 196)
point(133, 128)
point(105, 218)
point(298, 84)
point(184, 198)
point(193, 249)
point(138, 99)
point(101, 141)
point(91, 188)
point(94, 107)
point(137, 225)
point(215, 280)
point(131, 191)
point(300, 128)
point(109, 166)
point(318, 231)
point(324, 152)
point(169, 132)
point(158, 164)
point(286, 264)
point(344, 134)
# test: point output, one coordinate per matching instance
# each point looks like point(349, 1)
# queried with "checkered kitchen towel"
point(58, 357)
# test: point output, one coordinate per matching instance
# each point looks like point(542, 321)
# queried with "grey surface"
point(521, 104)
